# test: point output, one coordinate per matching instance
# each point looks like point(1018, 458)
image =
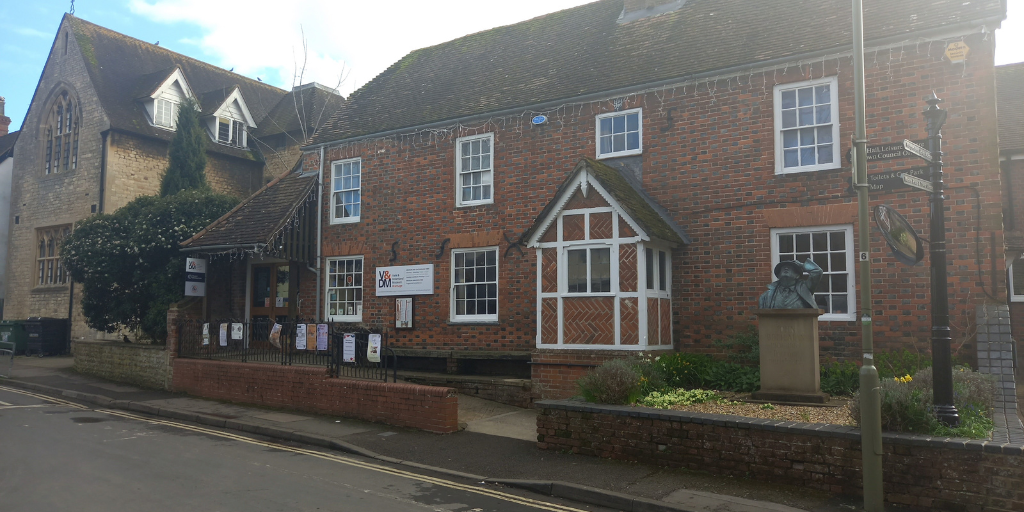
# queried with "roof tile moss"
point(584, 50)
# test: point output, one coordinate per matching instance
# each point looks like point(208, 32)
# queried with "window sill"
point(474, 323)
point(347, 220)
point(472, 205)
point(620, 153)
point(798, 170)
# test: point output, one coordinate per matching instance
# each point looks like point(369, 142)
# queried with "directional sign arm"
point(918, 150)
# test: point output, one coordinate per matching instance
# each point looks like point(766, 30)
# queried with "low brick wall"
point(308, 389)
point(921, 472)
point(515, 392)
point(140, 365)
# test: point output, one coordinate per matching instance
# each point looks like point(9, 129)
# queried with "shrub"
point(682, 370)
point(614, 382)
point(734, 377)
point(902, 362)
point(680, 397)
point(743, 347)
point(840, 379)
point(907, 404)
point(651, 377)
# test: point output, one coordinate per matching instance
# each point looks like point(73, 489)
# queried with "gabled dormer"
point(227, 118)
point(163, 94)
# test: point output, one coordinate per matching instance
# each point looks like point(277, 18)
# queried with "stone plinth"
point(790, 370)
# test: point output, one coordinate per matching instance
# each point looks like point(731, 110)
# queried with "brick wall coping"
point(120, 344)
point(789, 427)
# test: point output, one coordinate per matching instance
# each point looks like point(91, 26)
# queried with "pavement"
point(497, 445)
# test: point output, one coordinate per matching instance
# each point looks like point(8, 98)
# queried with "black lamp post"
point(942, 366)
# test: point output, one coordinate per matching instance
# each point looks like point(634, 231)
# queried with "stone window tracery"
point(62, 136)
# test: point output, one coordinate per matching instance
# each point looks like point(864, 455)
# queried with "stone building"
point(96, 136)
point(622, 177)
point(7, 141)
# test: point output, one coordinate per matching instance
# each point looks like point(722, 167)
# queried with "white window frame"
point(1015, 295)
point(612, 278)
point(851, 288)
point(233, 129)
point(659, 254)
point(456, 318)
point(836, 163)
point(358, 315)
point(627, 152)
point(166, 117)
point(459, 170)
point(335, 183)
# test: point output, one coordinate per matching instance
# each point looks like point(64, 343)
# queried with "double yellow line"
point(543, 505)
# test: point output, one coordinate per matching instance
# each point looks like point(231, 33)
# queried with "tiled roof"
point(123, 68)
point(7, 144)
point(259, 218)
point(584, 50)
point(303, 110)
point(1010, 106)
point(654, 219)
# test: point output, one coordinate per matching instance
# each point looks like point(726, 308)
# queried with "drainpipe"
point(319, 228)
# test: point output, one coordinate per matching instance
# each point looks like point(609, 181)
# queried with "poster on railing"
point(275, 335)
point(206, 334)
point(300, 337)
point(373, 349)
point(223, 335)
point(236, 331)
point(311, 337)
point(321, 336)
point(348, 348)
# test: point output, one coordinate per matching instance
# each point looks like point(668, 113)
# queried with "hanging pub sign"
point(899, 234)
point(405, 280)
point(195, 277)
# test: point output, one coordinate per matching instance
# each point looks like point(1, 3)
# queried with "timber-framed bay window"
point(831, 248)
point(345, 289)
point(604, 265)
point(474, 288)
point(61, 133)
point(50, 269)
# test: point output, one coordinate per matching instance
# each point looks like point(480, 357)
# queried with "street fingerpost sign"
point(916, 182)
point(918, 150)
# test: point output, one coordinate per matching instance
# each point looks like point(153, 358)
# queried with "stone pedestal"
point(790, 370)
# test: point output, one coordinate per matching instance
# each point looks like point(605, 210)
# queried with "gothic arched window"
point(62, 136)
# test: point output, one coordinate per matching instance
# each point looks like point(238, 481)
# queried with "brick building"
point(96, 136)
point(1010, 88)
point(622, 177)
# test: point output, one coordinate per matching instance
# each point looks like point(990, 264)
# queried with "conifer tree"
point(186, 167)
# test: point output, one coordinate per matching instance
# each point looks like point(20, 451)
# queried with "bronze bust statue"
point(792, 291)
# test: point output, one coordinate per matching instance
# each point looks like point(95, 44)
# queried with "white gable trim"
point(236, 95)
point(583, 181)
point(175, 76)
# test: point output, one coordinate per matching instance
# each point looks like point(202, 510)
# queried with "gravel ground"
point(836, 412)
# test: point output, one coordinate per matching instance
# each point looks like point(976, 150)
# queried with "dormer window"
point(166, 113)
point(231, 132)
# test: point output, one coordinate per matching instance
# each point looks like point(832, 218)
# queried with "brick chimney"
point(633, 10)
point(5, 122)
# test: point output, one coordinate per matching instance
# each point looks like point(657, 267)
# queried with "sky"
point(343, 43)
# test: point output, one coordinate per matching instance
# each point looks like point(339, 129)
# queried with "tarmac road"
point(57, 455)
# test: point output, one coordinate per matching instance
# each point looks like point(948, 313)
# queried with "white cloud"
point(361, 39)
point(26, 31)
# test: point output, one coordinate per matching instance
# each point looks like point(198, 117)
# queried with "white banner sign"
point(405, 280)
point(348, 348)
point(300, 337)
point(195, 277)
point(321, 337)
point(373, 349)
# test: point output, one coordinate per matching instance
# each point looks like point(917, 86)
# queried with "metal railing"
point(256, 341)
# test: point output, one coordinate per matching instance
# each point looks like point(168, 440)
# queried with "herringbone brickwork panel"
point(653, 333)
point(549, 321)
point(629, 321)
point(600, 225)
point(551, 235)
point(549, 272)
point(624, 229)
point(589, 320)
point(572, 227)
point(666, 322)
point(627, 268)
point(593, 200)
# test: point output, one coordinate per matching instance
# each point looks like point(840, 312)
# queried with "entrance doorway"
point(270, 297)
